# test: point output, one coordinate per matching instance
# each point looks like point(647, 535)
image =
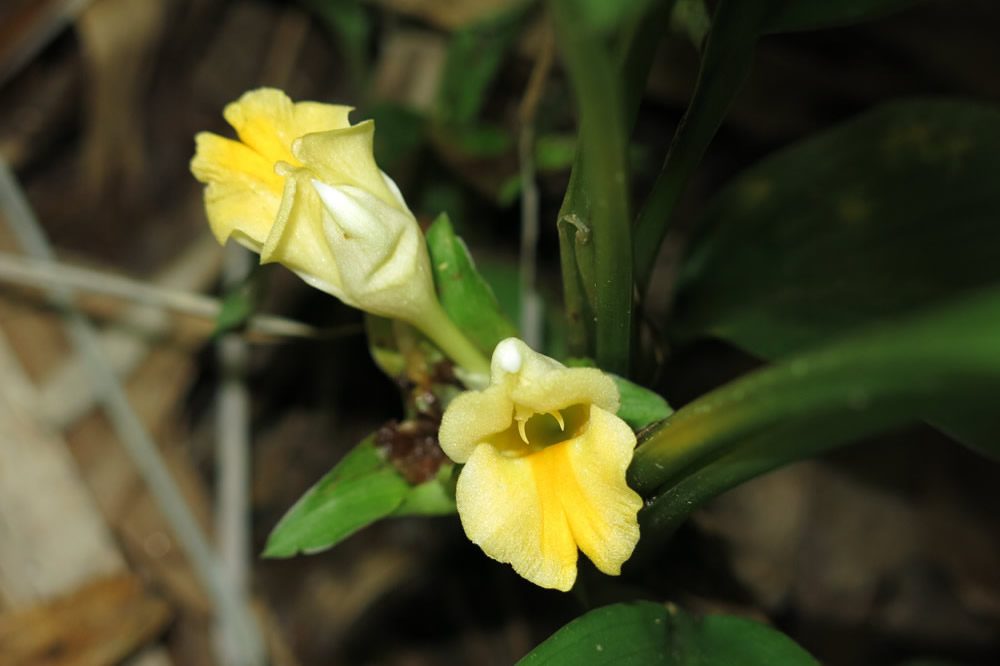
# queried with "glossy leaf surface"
point(361, 489)
point(465, 295)
point(648, 634)
point(947, 357)
point(894, 210)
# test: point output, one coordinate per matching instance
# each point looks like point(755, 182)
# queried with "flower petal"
point(296, 238)
point(243, 193)
point(514, 515)
point(268, 121)
point(345, 157)
point(590, 475)
point(472, 417)
point(380, 251)
point(545, 385)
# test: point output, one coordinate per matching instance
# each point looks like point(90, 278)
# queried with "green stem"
point(439, 327)
point(601, 200)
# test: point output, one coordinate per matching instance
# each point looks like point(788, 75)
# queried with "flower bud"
point(301, 187)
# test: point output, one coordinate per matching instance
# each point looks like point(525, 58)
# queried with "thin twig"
point(49, 273)
point(232, 452)
point(236, 615)
point(531, 302)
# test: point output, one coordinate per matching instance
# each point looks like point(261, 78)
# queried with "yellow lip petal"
point(514, 516)
point(268, 121)
point(589, 474)
point(242, 193)
point(471, 417)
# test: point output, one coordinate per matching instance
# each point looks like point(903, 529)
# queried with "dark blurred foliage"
point(861, 561)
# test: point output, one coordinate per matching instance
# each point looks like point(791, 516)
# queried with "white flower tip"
point(332, 198)
point(508, 355)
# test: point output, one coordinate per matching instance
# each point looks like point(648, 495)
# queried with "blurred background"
point(861, 559)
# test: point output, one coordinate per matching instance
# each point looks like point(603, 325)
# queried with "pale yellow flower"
point(301, 187)
point(545, 460)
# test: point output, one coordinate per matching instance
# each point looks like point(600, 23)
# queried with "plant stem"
point(602, 207)
point(437, 326)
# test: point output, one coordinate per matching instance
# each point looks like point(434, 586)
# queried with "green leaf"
point(351, 22)
point(399, 132)
point(382, 346)
point(725, 64)
point(432, 498)
point(361, 489)
point(482, 141)
point(794, 15)
point(691, 17)
point(647, 634)
point(465, 295)
point(640, 406)
point(555, 152)
point(864, 383)
point(889, 212)
point(474, 57)
point(239, 302)
point(725, 640)
point(601, 16)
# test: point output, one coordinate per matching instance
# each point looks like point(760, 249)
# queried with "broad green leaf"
point(465, 295)
point(640, 406)
point(628, 634)
point(361, 489)
point(792, 15)
point(894, 210)
point(724, 640)
point(726, 61)
point(431, 498)
point(601, 16)
point(474, 57)
point(648, 634)
point(867, 382)
point(691, 17)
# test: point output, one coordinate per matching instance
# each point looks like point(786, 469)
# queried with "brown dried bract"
point(412, 447)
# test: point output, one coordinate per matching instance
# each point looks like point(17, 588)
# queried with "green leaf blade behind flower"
point(725, 64)
point(942, 359)
point(475, 55)
point(891, 211)
point(640, 406)
point(361, 489)
point(464, 294)
point(648, 634)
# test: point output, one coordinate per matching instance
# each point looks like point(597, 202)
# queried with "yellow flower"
point(301, 187)
point(545, 459)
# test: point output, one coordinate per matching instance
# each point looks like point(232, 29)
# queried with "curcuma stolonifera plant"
point(862, 265)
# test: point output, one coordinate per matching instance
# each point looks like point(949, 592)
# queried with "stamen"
point(520, 429)
point(557, 415)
